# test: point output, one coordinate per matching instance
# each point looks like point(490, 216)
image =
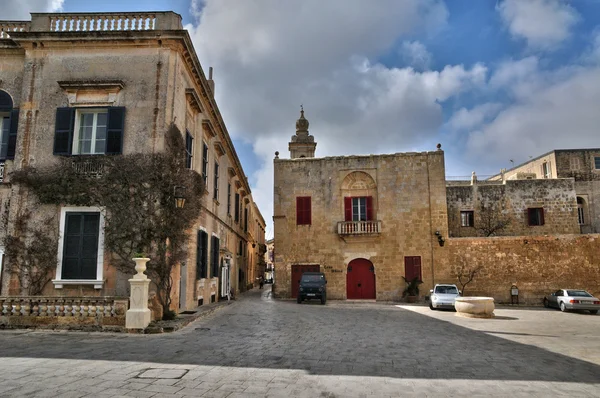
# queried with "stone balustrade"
point(359, 227)
point(12, 26)
point(39, 310)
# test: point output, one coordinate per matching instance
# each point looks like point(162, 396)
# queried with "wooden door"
point(297, 271)
point(360, 280)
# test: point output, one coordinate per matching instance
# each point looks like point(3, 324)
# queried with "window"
point(535, 216)
point(81, 247)
point(575, 164)
point(581, 211)
point(466, 218)
point(189, 149)
point(246, 219)
point(9, 119)
point(303, 210)
point(358, 208)
point(214, 257)
point(4, 131)
point(229, 199)
point(546, 170)
point(597, 162)
point(412, 268)
point(216, 186)
point(201, 255)
point(205, 164)
point(89, 131)
point(237, 207)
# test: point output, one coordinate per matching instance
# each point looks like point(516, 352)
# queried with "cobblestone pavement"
point(260, 347)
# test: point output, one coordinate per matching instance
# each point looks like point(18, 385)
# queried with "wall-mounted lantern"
point(440, 238)
point(179, 194)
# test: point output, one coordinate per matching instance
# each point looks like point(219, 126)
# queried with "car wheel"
point(299, 300)
point(563, 308)
point(546, 303)
point(431, 307)
point(593, 312)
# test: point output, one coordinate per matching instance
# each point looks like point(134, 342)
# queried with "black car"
point(312, 286)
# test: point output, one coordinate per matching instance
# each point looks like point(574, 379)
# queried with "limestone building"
point(364, 221)
point(91, 85)
point(582, 165)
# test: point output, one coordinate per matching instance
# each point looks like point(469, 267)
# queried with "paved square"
point(259, 347)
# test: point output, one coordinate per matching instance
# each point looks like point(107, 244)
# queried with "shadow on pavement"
point(375, 340)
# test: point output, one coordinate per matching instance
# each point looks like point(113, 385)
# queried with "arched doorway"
point(360, 280)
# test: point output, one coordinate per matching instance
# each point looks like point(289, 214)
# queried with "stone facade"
point(583, 165)
point(149, 68)
point(494, 202)
point(408, 205)
point(537, 265)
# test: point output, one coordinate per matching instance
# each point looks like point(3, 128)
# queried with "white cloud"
point(20, 9)
point(270, 56)
point(468, 119)
point(562, 113)
point(415, 54)
point(544, 24)
point(511, 72)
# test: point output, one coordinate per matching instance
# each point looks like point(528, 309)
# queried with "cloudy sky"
point(492, 81)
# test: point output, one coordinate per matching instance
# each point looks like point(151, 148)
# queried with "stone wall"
point(538, 265)
point(409, 198)
point(511, 201)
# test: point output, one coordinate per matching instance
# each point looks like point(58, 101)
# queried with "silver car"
point(572, 299)
point(443, 296)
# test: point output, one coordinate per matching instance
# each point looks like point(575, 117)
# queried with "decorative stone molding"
point(232, 172)
point(208, 128)
point(92, 92)
point(193, 99)
point(219, 149)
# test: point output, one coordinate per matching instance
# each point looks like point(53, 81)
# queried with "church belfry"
point(302, 145)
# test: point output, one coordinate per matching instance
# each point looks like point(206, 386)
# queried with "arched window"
point(9, 117)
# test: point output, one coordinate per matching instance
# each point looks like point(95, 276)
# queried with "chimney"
point(211, 82)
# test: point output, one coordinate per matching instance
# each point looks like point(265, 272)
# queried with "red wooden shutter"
point(298, 211)
point(369, 208)
point(408, 268)
point(348, 208)
point(307, 211)
point(417, 268)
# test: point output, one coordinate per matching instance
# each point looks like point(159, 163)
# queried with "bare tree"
point(466, 274)
point(491, 219)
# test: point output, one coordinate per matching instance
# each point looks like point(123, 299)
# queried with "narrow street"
point(261, 347)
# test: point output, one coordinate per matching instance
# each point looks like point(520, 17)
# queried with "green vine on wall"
point(136, 192)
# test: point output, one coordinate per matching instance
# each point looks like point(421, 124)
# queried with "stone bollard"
point(138, 316)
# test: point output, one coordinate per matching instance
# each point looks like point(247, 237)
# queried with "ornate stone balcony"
point(359, 227)
point(40, 310)
point(12, 26)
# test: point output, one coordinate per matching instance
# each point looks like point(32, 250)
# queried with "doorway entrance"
point(297, 271)
point(360, 280)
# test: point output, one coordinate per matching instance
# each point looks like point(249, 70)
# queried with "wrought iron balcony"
point(88, 167)
point(359, 227)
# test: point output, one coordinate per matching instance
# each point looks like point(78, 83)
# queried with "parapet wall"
point(538, 265)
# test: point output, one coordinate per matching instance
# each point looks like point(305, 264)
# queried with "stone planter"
point(474, 307)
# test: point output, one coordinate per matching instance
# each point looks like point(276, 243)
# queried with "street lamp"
point(179, 194)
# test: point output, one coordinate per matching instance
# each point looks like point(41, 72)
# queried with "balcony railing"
point(359, 227)
point(88, 167)
point(12, 26)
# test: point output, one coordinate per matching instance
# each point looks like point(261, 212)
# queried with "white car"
point(443, 296)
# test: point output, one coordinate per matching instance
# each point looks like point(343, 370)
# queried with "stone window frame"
point(539, 220)
point(470, 218)
point(99, 281)
point(596, 163)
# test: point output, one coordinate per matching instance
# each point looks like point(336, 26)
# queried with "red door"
point(297, 271)
point(360, 280)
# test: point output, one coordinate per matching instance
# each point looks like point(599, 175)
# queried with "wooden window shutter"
point(12, 134)
point(80, 251)
point(303, 210)
point(299, 211)
point(215, 257)
point(114, 132)
point(417, 267)
point(348, 208)
point(63, 132)
point(201, 255)
point(541, 210)
point(307, 211)
point(369, 208)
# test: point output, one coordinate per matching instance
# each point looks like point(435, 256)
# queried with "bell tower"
point(302, 144)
